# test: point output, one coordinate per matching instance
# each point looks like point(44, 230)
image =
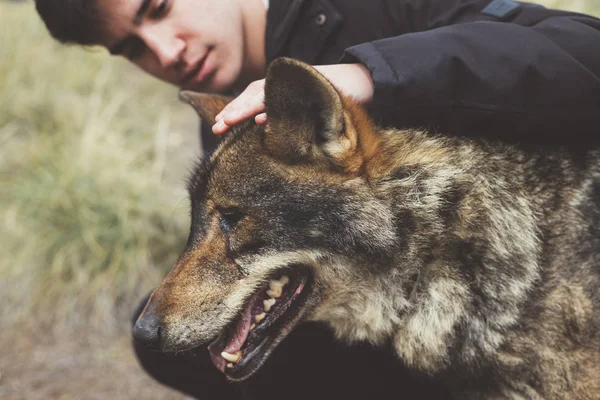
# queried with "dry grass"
point(591, 7)
point(92, 216)
point(92, 209)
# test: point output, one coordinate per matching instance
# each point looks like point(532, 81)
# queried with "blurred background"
point(93, 209)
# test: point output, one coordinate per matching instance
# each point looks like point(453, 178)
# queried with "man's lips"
point(189, 76)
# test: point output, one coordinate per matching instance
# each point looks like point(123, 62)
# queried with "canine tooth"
point(229, 365)
point(275, 284)
point(274, 292)
point(251, 327)
point(281, 282)
point(268, 304)
point(260, 317)
point(235, 357)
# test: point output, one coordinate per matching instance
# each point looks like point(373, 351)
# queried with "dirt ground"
point(35, 364)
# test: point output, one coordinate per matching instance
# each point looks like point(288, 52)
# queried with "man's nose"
point(166, 46)
point(147, 330)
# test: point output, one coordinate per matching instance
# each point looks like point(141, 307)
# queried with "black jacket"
point(514, 71)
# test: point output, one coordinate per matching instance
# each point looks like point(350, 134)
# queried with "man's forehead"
point(119, 18)
point(118, 7)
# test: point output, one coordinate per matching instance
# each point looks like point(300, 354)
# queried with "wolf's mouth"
point(243, 346)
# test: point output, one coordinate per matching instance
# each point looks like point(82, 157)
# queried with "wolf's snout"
point(147, 330)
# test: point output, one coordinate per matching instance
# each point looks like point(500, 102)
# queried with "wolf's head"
point(280, 214)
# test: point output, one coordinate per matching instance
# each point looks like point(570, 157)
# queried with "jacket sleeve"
point(535, 80)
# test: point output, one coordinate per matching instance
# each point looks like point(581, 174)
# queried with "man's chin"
point(213, 83)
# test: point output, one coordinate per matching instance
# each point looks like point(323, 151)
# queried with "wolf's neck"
point(467, 256)
point(476, 244)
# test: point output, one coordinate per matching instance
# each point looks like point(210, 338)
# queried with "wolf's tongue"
point(235, 342)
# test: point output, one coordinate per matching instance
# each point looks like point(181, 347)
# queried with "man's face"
point(195, 44)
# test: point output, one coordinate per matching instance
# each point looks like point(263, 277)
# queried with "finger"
point(233, 106)
point(228, 109)
point(220, 128)
point(250, 108)
point(248, 103)
point(261, 119)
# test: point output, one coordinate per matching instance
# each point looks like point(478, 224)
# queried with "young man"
point(507, 70)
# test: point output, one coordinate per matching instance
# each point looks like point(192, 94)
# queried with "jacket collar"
point(281, 16)
point(313, 22)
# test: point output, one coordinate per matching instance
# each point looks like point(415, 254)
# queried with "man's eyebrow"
point(137, 19)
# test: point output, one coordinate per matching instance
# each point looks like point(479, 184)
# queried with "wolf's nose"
point(147, 331)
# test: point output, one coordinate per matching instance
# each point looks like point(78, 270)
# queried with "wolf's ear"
point(206, 105)
point(305, 111)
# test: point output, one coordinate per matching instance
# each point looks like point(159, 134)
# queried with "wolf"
point(475, 260)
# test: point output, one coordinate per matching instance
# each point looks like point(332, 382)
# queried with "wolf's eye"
point(229, 218)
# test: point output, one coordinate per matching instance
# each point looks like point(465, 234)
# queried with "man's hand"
point(352, 80)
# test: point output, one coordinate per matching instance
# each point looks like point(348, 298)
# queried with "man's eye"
point(160, 9)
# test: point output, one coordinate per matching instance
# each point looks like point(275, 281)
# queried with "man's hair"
point(72, 21)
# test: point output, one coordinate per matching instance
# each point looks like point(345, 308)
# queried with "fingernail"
point(261, 119)
point(219, 127)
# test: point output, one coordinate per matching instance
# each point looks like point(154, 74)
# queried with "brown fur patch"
point(206, 105)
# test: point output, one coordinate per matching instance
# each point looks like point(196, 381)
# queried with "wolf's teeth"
point(281, 282)
point(229, 365)
point(235, 357)
point(274, 292)
point(275, 284)
point(268, 304)
point(251, 327)
point(260, 317)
